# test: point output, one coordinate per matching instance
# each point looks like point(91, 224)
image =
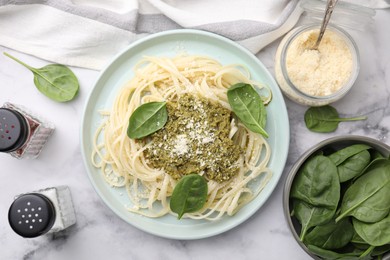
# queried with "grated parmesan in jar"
point(319, 72)
point(316, 77)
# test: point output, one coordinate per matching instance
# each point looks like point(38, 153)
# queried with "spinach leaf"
point(317, 183)
point(365, 195)
point(328, 254)
point(356, 239)
point(189, 195)
point(325, 119)
point(353, 166)
point(380, 250)
point(376, 234)
point(376, 155)
point(248, 106)
point(310, 216)
point(331, 235)
point(147, 119)
point(55, 81)
point(368, 199)
point(341, 155)
point(375, 161)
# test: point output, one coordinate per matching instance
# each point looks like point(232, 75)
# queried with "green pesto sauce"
point(195, 140)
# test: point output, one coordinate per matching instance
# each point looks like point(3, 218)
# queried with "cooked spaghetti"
point(125, 162)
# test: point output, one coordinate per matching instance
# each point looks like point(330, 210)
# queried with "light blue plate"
point(170, 43)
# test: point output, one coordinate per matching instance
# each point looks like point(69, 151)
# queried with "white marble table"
point(100, 234)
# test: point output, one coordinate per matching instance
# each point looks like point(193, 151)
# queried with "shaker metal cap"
point(13, 130)
point(31, 215)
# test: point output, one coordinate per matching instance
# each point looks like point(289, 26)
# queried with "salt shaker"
point(44, 211)
point(22, 134)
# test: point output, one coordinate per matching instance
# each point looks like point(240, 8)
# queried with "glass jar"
point(299, 92)
point(44, 211)
point(22, 134)
point(348, 15)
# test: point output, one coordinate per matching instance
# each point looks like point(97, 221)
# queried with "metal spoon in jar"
point(328, 12)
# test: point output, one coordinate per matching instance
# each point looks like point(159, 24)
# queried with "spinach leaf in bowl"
point(329, 254)
point(368, 199)
point(376, 234)
point(341, 155)
point(331, 235)
point(317, 183)
point(310, 216)
point(353, 166)
point(356, 225)
point(380, 250)
point(374, 161)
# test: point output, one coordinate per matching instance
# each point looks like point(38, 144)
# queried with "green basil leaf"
point(353, 166)
point(247, 105)
point(55, 81)
point(310, 216)
point(317, 183)
point(376, 234)
point(341, 155)
point(331, 235)
point(189, 194)
point(368, 198)
point(325, 119)
point(147, 119)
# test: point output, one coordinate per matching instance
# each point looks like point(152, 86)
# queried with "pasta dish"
point(202, 135)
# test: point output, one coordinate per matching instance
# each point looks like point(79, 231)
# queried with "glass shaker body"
point(22, 133)
point(44, 211)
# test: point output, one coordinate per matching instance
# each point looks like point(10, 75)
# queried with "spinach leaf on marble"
point(56, 81)
point(325, 119)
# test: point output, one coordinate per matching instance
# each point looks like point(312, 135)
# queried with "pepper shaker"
point(22, 134)
point(44, 211)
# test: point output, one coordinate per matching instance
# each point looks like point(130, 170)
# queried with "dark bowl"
point(334, 143)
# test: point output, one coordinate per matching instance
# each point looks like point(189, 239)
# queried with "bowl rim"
point(301, 160)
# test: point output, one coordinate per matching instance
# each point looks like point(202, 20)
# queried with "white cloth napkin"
point(88, 33)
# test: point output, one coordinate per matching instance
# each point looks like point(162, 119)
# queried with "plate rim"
point(151, 37)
